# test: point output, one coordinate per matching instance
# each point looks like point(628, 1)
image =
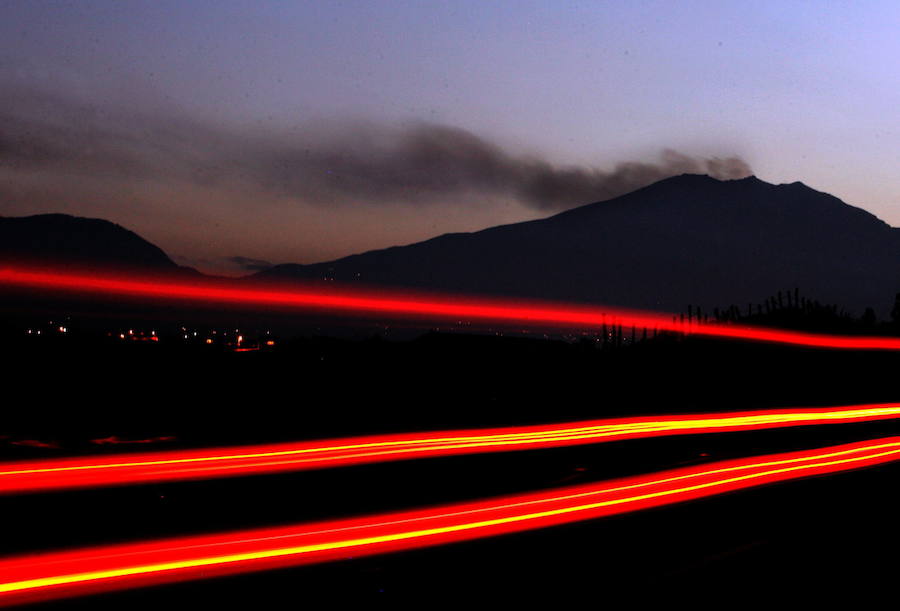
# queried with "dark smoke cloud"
point(251, 265)
point(427, 162)
point(343, 164)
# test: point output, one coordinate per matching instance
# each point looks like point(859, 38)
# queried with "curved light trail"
point(400, 304)
point(62, 574)
point(208, 463)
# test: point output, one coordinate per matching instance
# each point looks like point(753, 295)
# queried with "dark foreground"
point(803, 540)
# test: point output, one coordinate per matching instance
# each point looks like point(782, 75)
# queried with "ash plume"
point(341, 164)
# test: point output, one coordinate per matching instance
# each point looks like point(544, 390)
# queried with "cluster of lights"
point(51, 327)
point(235, 340)
point(139, 336)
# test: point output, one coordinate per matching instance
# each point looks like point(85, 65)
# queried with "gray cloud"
point(249, 264)
point(360, 164)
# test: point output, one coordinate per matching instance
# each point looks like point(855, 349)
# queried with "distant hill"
point(64, 239)
point(685, 240)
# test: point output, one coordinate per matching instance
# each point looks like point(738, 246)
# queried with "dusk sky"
point(234, 133)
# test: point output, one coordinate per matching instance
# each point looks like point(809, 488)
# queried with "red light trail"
point(60, 574)
point(399, 304)
point(208, 463)
point(68, 573)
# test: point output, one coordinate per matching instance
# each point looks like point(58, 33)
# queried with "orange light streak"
point(394, 303)
point(33, 476)
point(61, 574)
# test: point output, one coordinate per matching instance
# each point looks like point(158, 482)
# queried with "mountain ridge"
point(685, 240)
point(73, 240)
point(661, 237)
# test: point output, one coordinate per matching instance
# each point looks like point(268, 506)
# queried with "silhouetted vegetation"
point(792, 310)
point(104, 378)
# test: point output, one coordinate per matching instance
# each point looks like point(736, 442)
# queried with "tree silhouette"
point(895, 311)
point(868, 318)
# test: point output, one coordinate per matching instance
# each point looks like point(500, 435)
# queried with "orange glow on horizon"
point(122, 469)
point(69, 573)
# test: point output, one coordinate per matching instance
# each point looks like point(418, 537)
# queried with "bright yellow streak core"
point(264, 554)
point(475, 441)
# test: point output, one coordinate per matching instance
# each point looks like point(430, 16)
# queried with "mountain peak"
point(687, 239)
point(66, 239)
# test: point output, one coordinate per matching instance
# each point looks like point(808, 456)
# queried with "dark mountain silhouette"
point(685, 240)
point(689, 239)
point(64, 239)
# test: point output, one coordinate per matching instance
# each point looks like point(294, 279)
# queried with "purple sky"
point(303, 131)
